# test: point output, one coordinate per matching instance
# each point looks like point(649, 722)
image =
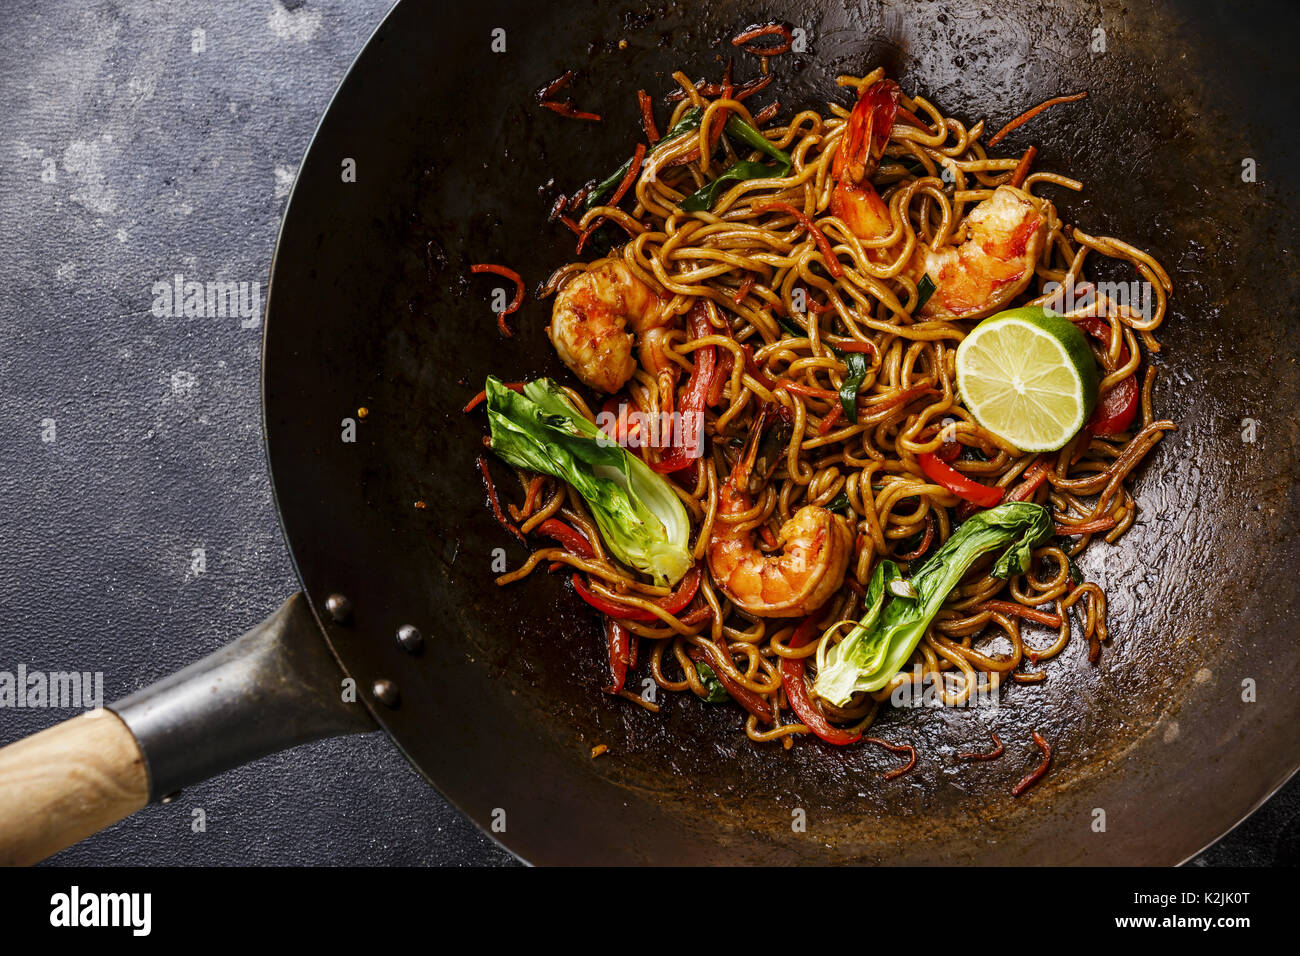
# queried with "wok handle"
point(275, 687)
point(68, 782)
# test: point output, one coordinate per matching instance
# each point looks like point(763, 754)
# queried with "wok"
point(1184, 726)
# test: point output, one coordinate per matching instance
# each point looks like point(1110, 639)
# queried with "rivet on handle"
point(385, 692)
point(410, 639)
point(340, 608)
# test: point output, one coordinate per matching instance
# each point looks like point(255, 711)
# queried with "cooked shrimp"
point(1005, 235)
point(596, 318)
point(1002, 236)
point(816, 546)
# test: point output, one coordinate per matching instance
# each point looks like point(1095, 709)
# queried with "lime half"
point(1028, 376)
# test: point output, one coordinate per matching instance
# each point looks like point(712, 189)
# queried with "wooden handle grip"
point(65, 783)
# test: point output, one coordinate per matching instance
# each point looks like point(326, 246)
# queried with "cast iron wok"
point(1184, 726)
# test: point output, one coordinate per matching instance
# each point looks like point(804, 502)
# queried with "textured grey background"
point(127, 158)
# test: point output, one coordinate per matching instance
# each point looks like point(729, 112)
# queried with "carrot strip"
point(853, 346)
point(1019, 610)
point(766, 114)
point(1088, 527)
point(647, 116)
point(1026, 116)
point(1039, 771)
point(629, 177)
point(1022, 168)
point(746, 89)
point(624, 185)
point(767, 30)
point(481, 397)
point(530, 499)
point(550, 89)
point(898, 749)
point(823, 244)
point(517, 301)
point(746, 284)
point(567, 109)
point(831, 418)
point(1033, 476)
point(991, 755)
point(751, 366)
point(495, 502)
point(921, 548)
point(809, 391)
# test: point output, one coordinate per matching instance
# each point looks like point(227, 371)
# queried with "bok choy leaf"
point(882, 641)
point(640, 518)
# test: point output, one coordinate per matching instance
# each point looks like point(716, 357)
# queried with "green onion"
point(792, 327)
point(857, 372)
point(704, 197)
point(1076, 576)
point(855, 362)
point(717, 694)
point(839, 503)
point(924, 289)
point(689, 122)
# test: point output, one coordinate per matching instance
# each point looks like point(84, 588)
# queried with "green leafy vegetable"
point(738, 129)
point(839, 503)
point(717, 694)
point(641, 520)
point(882, 641)
point(1076, 576)
point(856, 363)
point(792, 327)
point(924, 289)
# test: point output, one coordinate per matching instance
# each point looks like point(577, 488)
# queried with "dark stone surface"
point(130, 158)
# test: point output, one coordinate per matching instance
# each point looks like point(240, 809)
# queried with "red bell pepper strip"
point(1118, 407)
point(949, 450)
point(752, 702)
point(694, 399)
point(726, 362)
point(1099, 329)
point(796, 691)
point(620, 654)
point(624, 428)
point(986, 496)
point(673, 603)
point(1116, 410)
point(571, 538)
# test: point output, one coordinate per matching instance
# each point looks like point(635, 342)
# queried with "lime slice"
point(1028, 376)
